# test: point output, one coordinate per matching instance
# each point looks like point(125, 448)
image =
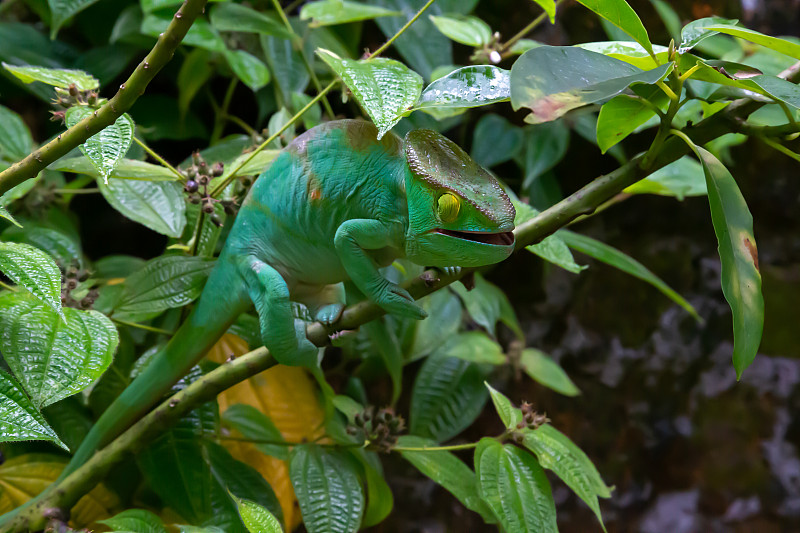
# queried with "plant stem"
point(242, 124)
point(142, 326)
point(122, 101)
point(401, 30)
point(160, 159)
point(8, 287)
point(222, 112)
point(505, 49)
point(779, 147)
point(76, 191)
point(454, 447)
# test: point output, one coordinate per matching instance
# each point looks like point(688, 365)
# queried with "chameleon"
point(336, 204)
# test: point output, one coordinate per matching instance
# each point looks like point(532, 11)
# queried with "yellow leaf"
point(288, 396)
point(25, 476)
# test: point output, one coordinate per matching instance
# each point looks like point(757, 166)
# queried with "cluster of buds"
point(198, 177)
point(380, 429)
point(72, 294)
point(530, 418)
point(72, 96)
point(490, 52)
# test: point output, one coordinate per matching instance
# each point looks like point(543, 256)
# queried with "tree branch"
point(127, 94)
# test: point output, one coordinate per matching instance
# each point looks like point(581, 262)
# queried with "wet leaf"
point(471, 86)
point(384, 88)
point(52, 358)
point(33, 269)
point(448, 396)
point(19, 419)
point(164, 283)
point(510, 415)
point(464, 29)
point(542, 369)
point(126, 169)
point(248, 68)
point(135, 521)
point(556, 452)
point(447, 470)
point(628, 52)
point(158, 205)
point(330, 12)
point(551, 80)
point(59, 245)
point(773, 43)
point(256, 518)
point(698, 30)
point(611, 256)
point(15, 138)
point(741, 279)
point(228, 16)
point(107, 147)
point(328, 489)
point(58, 77)
point(515, 487)
point(621, 15)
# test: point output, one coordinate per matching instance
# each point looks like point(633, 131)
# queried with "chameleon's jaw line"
point(505, 238)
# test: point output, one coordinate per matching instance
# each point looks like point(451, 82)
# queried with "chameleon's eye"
point(448, 204)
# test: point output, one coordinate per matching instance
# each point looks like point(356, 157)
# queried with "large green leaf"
point(135, 521)
point(627, 51)
point(253, 424)
point(515, 487)
point(611, 256)
point(549, 7)
point(681, 178)
point(105, 148)
point(330, 12)
point(286, 65)
point(552, 248)
point(741, 279)
point(447, 470)
point(158, 205)
point(487, 305)
point(471, 86)
point(126, 169)
point(551, 80)
point(61, 10)
point(448, 396)
point(248, 68)
point(619, 117)
point(558, 453)
point(163, 283)
point(59, 245)
point(444, 318)
point(15, 139)
point(698, 30)
point(327, 488)
point(19, 419)
point(464, 29)
point(34, 270)
point(542, 369)
point(621, 15)
point(58, 77)
point(54, 359)
point(257, 518)
point(774, 43)
point(228, 16)
point(474, 346)
point(385, 88)
point(495, 140)
point(195, 72)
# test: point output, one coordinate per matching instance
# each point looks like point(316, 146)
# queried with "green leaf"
point(681, 178)
point(552, 248)
point(330, 12)
point(158, 205)
point(545, 146)
point(164, 283)
point(447, 470)
point(59, 245)
point(782, 46)
point(52, 358)
point(34, 270)
point(15, 139)
point(135, 521)
point(495, 140)
point(627, 51)
point(126, 169)
point(248, 68)
point(542, 369)
point(613, 257)
point(327, 488)
point(671, 20)
point(510, 415)
point(741, 279)
point(551, 80)
point(386, 344)
point(256, 518)
point(228, 16)
point(61, 10)
point(698, 30)
point(105, 148)
point(475, 347)
point(487, 305)
point(448, 396)
point(253, 424)
point(286, 65)
point(201, 34)
point(620, 117)
point(6, 215)
point(621, 15)
point(58, 77)
point(19, 419)
point(385, 88)
point(472, 86)
point(195, 71)
point(549, 7)
point(558, 453)
point(380, 499)
point(444, 318)
point(464, 29)
point(515, 487)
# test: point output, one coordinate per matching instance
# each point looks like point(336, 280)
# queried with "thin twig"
point(505, 50)
point(142, 326)
point(152, 153)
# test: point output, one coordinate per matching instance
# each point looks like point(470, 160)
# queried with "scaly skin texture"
point(336, 204)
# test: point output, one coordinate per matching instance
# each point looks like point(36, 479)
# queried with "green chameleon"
point(336, 204)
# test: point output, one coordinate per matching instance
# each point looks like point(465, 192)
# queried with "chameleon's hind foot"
point(329, 314)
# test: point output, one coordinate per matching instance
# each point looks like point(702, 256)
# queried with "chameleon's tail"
point(223, 300)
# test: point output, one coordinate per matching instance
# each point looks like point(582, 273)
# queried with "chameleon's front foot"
point(397, 301)
point(329, 314)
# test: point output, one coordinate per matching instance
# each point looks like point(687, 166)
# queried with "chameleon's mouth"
point(505, 238)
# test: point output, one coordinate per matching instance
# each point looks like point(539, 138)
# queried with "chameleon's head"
point(458, 212)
